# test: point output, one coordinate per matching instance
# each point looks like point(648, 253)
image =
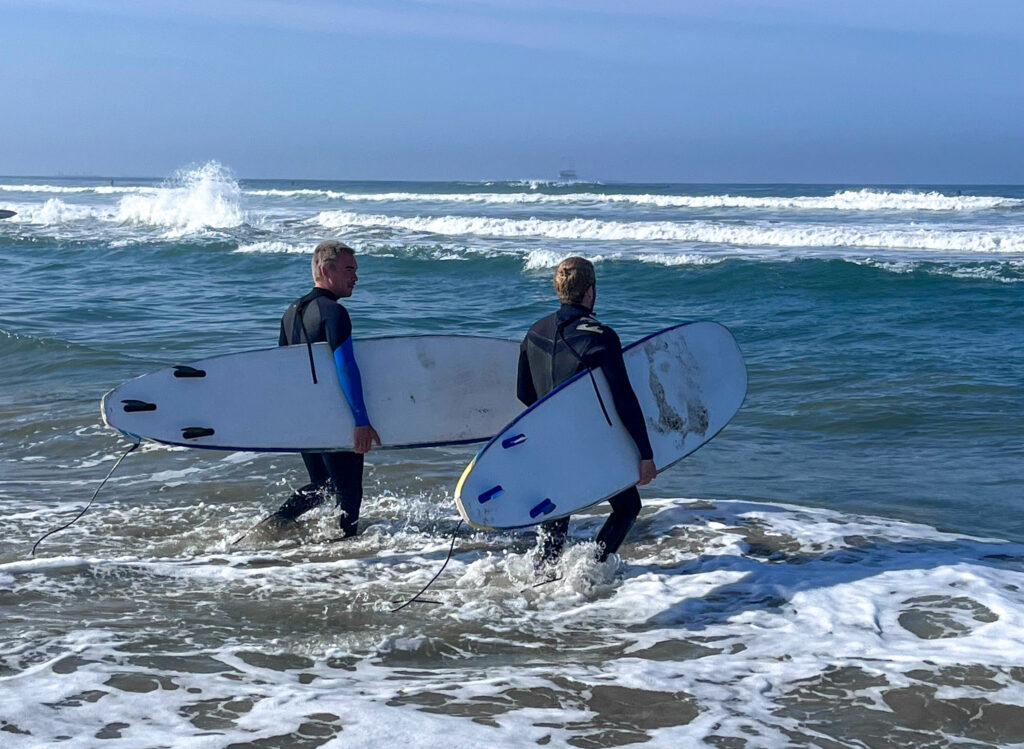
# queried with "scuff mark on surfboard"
point(669, 419)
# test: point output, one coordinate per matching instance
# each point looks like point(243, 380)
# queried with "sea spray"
point(192, 200)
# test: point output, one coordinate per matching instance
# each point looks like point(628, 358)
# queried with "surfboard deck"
point(419, 390)
point(560, 455)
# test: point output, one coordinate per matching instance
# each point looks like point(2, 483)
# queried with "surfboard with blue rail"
point(560, 455)
point(419, 391)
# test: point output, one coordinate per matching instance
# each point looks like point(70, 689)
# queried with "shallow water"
point(842, 566)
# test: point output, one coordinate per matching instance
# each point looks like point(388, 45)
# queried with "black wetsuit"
point(556, 348)
point(317, 317)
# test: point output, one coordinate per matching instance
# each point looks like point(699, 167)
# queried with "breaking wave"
point(193, 199)
point(844, 200)
point(710, 232)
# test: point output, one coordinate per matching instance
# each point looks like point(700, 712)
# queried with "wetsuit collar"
point(569, 312)
point(318, 291)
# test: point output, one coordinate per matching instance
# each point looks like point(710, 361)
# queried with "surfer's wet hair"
point(573, 277)
point(326, 253)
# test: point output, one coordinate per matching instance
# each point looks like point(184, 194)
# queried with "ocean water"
point(842, 566)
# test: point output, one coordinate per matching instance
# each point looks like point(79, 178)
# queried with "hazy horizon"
point(700, 92)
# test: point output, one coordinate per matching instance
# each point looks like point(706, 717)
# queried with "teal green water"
point(883, 379)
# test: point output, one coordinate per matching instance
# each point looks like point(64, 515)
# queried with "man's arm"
point(351, 381)
point(626, 403)
point(525, 390)
point(339, 336)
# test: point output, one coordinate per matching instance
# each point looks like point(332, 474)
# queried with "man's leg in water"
point(312, 494)
point(346, 471)
point(625, 508)
point(551, 538)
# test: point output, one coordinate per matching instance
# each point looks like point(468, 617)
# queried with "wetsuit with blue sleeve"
point(555, 349)
point(318, 318)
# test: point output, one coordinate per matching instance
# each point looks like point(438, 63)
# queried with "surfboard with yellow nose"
point(561, 455)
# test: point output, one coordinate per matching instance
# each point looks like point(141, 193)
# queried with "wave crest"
point(193, 199)
point(864, 200)
point(699, 232)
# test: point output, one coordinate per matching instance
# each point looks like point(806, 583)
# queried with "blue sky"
point(859, 91)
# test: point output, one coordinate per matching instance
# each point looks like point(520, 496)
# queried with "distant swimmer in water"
point(558, 347)
point(318, 318)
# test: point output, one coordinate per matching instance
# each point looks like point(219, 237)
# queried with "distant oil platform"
point(567, 173)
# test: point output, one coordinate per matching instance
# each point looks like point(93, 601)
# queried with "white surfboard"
point(419, 391)
point(560, 455)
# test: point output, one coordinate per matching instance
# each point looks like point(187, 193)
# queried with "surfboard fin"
point(191, 433)
point(495, 491)
point(183, 370)
point(132, 405)
point(544, 508)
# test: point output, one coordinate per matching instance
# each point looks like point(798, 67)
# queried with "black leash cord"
point(94, 495)
point(415, 598)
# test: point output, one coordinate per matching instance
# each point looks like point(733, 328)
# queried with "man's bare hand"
point(647, 472)
point(364, 437)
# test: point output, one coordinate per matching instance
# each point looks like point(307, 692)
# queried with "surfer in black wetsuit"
point(558, 347)
point(314, 318)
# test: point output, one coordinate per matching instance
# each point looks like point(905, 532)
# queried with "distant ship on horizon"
point(567, 172)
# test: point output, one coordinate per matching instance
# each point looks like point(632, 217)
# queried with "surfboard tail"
point(458, 497)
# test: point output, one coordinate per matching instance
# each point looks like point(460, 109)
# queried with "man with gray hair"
point(314, 318)
point(555, 349)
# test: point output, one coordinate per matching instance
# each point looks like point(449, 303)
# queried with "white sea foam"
point(1007, 271)
point(84, 189)
point(750, 621)
point(192, 200)
point(272, 248)
point(56, 212)
point(843, 200)
point(545, 259)
point(1009, 240)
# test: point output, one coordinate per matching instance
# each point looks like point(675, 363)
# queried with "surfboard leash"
point(416, 598)
point(93, 499)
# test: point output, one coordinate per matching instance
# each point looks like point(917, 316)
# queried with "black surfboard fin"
point(183, 370)
point(132, 405)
